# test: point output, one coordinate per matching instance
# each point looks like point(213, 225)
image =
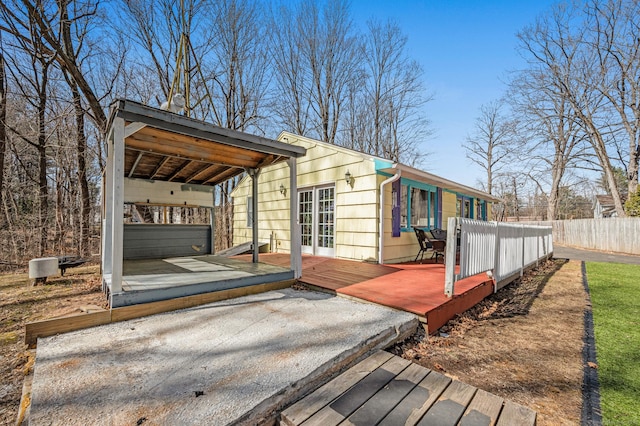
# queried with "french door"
point(316, 208)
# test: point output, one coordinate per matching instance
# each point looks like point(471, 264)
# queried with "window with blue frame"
point(481, 209)
point(464, 207)
point(418, 206)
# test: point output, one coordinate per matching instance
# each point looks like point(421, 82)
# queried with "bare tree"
point(493, 140)
point(555, 142)
point(31, 73)
point(614, 35)
point(291, 101)
point(324, 48)
point(3, 120)
point(239, 63)
point(555, 47)
point(386, 109)
point(22, 17)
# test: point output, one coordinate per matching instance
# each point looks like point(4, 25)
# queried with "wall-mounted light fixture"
point(282, 189)
point(347, 177)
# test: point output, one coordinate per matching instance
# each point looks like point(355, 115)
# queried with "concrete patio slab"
point(232, 362)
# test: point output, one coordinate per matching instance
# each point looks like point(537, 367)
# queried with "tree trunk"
point(632, 168)
point(3, 130)
point(85, 199)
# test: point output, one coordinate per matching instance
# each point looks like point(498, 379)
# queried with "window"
point(249, 212)
point(395, 208)
point(481, 210)
point(468, 211)
point(421, 207)
point(415, 205)
point(404, 192)
point(464, 207)
point(305, 209)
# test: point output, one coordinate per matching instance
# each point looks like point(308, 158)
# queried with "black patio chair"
point(423, 242)
point(439, 234)
point(438, 245)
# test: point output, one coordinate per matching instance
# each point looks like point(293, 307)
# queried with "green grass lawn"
point(615, 296)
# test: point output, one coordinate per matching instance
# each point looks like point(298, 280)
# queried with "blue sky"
point(466, 49)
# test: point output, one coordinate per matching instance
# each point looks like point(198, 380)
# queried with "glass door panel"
point(325, 221)
point(316, 213)
point(305, 216)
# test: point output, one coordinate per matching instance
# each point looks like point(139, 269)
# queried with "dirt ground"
point(20, 302)
point(524, 343)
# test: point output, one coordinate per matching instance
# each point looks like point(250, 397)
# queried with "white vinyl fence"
point(503, 249)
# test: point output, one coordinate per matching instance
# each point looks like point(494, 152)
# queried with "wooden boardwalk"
point(388, 390)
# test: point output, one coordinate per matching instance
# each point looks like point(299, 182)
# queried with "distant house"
point(604, 207)
point(339, 197)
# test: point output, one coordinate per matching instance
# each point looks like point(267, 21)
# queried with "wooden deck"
point(388, 390)
point(152, 280)
point(411, 287)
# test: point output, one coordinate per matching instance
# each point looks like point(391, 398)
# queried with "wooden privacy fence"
point(616, 234)
point(503, 249)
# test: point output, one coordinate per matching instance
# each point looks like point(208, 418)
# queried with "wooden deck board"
point(450, 406)
point(418, 402)
point(397, 392)
point(376, 408)
point(516, 415)
point(411, 287)
point(300, 412)
point(483, 410)
point(351, 400)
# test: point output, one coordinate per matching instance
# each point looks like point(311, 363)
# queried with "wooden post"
point(522, 242)
point(254, 173)
point(496, 260)
point(117, 196)
point(450, 258)
point(296, 238)
point(107, 234)
point(212, 223)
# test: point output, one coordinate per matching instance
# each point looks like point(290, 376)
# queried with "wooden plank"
point(305, 408)
point(145, 309)
point(351, 400)
point(450, 406)
point(483, 410)
point(418, 401)
point(376, 408)
point(516, 415)
point(54, 326)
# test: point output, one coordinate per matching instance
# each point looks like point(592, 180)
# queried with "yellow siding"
point(448, 207)
point(355, 209)
point(396, 249)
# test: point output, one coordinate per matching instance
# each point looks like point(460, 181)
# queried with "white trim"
point(296, 240)
point(381, 224)
point(117, 217)
point(133, 128)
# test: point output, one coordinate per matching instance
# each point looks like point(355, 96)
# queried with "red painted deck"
point(416, 288)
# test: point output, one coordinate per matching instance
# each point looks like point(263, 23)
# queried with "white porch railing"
point(503, 249)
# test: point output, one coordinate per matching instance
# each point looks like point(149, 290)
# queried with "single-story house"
point(604, 207)
point(351, 205)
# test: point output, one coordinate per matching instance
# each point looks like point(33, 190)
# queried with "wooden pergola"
point(187, 158)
